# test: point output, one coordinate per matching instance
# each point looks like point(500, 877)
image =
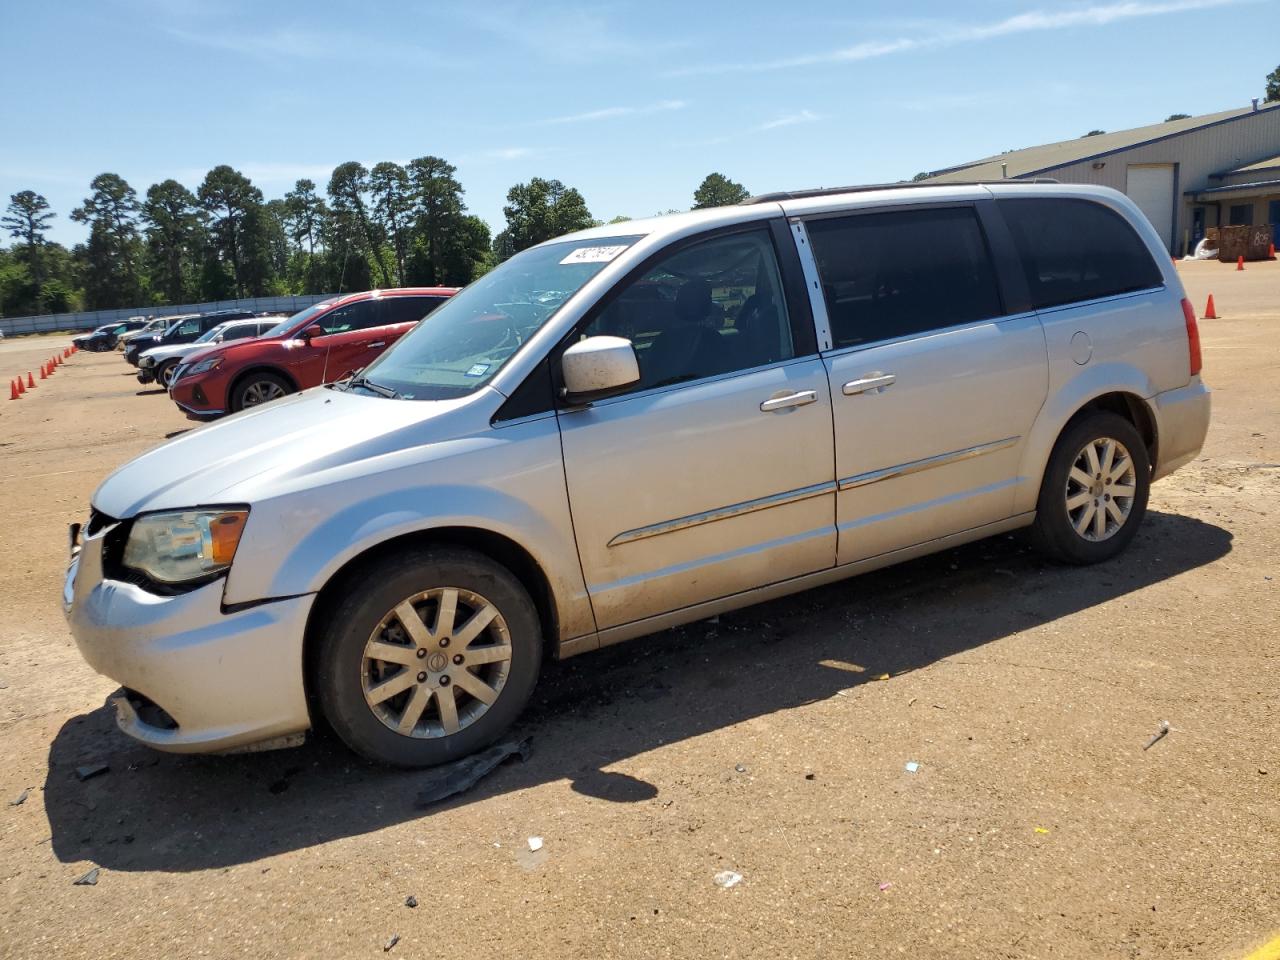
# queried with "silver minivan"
point(633, 427)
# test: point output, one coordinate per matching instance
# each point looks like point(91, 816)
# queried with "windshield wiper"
point(377, 388)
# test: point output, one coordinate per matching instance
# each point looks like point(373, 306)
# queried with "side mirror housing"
point(598, 367)
point(306, 335)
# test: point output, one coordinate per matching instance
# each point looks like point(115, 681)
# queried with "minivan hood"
point(282, 445)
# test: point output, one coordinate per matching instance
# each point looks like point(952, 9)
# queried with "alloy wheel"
point(261, 391)
point(1101, 487)
point(436, 663)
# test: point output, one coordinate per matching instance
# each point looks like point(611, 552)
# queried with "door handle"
point(800, 399)
point(866, 384)
point(377, 343)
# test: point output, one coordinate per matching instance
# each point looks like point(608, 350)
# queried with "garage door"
point(1151, 188)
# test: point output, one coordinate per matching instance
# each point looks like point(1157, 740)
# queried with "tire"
point(1067, 526)
point(258, 388)
point(165, 372)
point(369, 701)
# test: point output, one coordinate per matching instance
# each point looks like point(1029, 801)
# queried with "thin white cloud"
point(790, 120)
point(609, 113)
point(1032, 21)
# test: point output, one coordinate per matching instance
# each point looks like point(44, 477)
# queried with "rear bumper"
point(228, 680)
point(1182, 421)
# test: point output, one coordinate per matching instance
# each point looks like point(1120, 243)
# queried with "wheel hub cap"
point(456, 688)
point(1101, 487)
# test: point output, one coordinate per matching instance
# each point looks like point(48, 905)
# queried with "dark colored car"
point(182, 331)
point(323, 343)
point(104, 338)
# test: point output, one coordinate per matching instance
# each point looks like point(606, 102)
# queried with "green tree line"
point(389, 225)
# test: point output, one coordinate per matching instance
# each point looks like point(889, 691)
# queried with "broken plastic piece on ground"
point(886, 885)
point(89, 879)
point(1041, 830)
point(444, 782)
point(535, 844)
point(395, 938)
point(728, 879)
point(91, 770)
point(912, 766)
point(411, 901)
point(1159, 735)
point(740, 768)
point(22, 798)
point(881, 676)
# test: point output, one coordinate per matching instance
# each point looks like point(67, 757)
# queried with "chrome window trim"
point(928, 463)
point(724, 513)
point(813, 285)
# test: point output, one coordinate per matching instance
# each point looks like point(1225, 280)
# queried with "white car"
point(637, 426)
point(159, 363)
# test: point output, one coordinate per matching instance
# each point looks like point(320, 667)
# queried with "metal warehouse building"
point(1221, 169)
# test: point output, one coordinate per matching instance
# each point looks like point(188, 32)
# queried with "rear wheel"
point(1095, 490)
point(165, 374)
point(427, 656)
point(259, 388)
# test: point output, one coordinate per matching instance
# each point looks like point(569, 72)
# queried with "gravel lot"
point(1035, 826)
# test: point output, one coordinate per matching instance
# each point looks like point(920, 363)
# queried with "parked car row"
point(622, 430)
point(223, 362)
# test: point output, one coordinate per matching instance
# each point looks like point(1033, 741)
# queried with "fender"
point(1092, 382)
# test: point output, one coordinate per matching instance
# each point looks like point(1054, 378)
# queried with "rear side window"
point(408, 309)
point(1075, 250)
point(239, 331)
point(887, 275)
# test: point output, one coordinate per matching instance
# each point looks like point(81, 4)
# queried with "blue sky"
point(631, 102)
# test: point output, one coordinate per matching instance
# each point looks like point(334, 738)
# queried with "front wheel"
point(259, 388)
point(427, 656)
point(165, 374)
point(1095, 490)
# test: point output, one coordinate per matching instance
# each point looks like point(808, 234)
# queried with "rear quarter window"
point(1074, 250)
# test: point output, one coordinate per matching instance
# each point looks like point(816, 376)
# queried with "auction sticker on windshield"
point(594, 254)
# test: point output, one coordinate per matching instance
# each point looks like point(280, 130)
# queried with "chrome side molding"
point(723, 513)
point(928, 463)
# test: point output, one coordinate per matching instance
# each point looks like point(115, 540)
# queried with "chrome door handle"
point(854, 387)
point(803, 398)
point(377, 343)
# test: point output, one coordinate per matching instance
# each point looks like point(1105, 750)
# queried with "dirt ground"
point(1035, 826)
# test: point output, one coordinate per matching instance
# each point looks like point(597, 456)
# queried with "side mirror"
point(306, 335)
point(598, 367)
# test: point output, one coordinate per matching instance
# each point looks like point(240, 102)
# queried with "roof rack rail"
point(868, 187)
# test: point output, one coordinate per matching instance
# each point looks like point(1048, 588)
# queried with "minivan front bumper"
point(228, 680)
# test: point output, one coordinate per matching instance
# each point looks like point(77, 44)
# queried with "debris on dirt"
point(938, 706)
point(411, 901)
point(810, 776)
point(728, 879)
point(535, 844)
point(90, 879)
point(90, 770)
point(1159, 735)
point(886, 885)
point(881, 676)
point(912, 766)
point(444, 782)
point(22, 798)
point(1041, 830)
point(740, 768)
point(395, 938)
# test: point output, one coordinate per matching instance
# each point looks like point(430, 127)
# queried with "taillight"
point(1193, 335)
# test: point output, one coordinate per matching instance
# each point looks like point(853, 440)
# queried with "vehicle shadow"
point(160, 812)
point(150, 393)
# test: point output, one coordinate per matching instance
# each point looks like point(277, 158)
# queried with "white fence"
point(90, 319)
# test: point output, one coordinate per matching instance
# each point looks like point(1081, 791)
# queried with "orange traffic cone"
point(31, 381)
point(21, 389)
point(1240, 262)
point(1209, 312)
point(1271, 252)
point(44, 374)
point(14, 392)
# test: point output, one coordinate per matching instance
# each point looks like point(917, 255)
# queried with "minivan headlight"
point(204, 365)
point(184, 545)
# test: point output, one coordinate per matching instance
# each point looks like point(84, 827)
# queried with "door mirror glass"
point(598, 367)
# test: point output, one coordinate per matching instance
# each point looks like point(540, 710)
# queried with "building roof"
point(1253, 187)
point(1267, 164)
point(1021, 163)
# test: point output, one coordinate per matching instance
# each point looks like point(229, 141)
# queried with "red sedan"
point(321, 344)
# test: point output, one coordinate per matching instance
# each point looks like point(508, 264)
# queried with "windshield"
point(469, 337)
point(298, 319)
